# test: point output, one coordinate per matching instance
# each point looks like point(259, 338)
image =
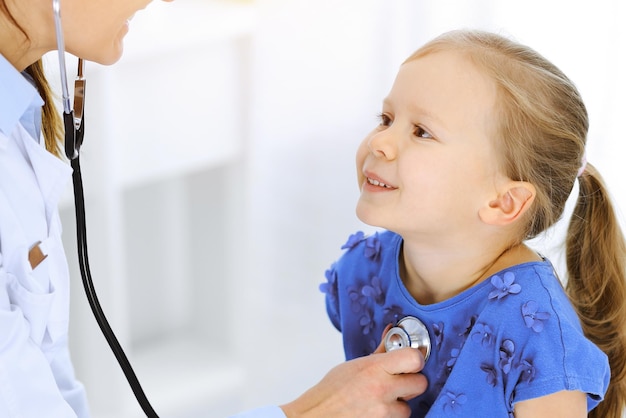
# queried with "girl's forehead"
point(445, 68)
point(448, 89)
point(443, 79)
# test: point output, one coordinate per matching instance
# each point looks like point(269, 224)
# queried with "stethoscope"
point(408, 332)
point(74, 121)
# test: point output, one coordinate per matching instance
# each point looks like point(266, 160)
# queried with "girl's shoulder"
point(534, 291)
point(523, 338)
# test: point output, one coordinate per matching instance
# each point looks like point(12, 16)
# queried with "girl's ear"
point(512, 202)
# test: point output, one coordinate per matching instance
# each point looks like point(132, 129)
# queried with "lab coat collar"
point(17, 95)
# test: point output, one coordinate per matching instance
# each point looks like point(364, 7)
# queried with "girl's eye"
point(385, 120)
point(421, 133)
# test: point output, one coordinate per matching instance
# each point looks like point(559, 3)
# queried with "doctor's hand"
point(374, 386)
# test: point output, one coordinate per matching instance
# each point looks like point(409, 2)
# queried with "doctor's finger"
point(404, 360)
point(381, 346)
point(409, 385)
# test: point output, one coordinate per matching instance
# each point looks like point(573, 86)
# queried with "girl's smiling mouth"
point(375, 182)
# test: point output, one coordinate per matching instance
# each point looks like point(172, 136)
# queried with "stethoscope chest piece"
point(409, 332)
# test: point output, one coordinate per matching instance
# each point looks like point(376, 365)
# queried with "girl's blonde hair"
point(541, 133)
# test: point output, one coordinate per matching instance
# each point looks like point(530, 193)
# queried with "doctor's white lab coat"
point(36, 375)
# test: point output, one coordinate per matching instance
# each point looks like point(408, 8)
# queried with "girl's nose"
point(383, 144)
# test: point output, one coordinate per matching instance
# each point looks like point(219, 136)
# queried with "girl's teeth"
point(376, 183)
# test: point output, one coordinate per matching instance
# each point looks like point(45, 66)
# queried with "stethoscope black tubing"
point(74, 132)
point(90, 291)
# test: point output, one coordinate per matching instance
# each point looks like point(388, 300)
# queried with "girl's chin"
point(365, 216)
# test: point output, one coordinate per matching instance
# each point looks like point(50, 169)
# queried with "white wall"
point(307, 79)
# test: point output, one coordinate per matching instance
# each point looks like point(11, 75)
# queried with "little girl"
point(480, 143)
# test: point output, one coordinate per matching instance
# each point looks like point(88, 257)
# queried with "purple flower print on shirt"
point(483, 333)
point(528, 371)
point(492, 377)
point(392, 314)
point(353, 240)
point(366, 321)
point(504, 286)
point(372, 247)
point(330, 287)
point(507, 351)
point(374, 290)
point(468, 329)
point(438, 331)
point(454, 354)
point(453, 402)
point(357, 299)
point(533, 318)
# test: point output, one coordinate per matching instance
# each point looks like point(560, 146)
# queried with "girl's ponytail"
point(596, 268)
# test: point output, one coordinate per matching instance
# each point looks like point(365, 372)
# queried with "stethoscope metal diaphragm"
point(409, 332)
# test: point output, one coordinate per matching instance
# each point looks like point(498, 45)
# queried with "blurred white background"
point(219, 168)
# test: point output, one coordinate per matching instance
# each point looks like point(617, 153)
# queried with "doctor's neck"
point(15, 44)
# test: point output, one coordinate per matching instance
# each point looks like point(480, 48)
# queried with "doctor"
point(36, 375)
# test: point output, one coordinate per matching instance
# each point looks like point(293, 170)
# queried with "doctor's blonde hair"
point(51, 122)
point(541, 131)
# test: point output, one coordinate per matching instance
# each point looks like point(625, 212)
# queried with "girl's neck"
point(434, 277)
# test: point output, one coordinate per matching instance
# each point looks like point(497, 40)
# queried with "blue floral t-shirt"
point(512, 337)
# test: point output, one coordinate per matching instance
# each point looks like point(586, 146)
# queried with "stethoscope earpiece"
point(409, 332)
point(72, 117)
